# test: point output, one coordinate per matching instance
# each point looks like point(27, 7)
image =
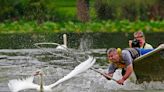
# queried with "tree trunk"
point(83, 10)
point(157, 11)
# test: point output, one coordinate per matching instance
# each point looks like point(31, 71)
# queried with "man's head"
point(139, 35)
point(113, 55)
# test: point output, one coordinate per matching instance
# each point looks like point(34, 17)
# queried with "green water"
point(97, 40)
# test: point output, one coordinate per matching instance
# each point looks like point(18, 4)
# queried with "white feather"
point(61, 47)
point(17, 85)
point(78, 69)
point(22, 84)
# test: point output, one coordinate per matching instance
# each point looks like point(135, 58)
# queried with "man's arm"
point(111, 70)
point(128, 72)
point(129, 66)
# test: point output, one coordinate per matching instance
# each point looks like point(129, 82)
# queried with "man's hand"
point(121, 81)
point(130, 43)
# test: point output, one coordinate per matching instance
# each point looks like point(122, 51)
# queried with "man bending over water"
point(124, 59)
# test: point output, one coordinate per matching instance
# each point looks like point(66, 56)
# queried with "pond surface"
point(22, 63)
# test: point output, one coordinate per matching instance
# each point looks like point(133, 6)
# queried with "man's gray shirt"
point(127, 59)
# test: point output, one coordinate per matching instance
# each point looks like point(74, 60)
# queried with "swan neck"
point(65, 39)
point(41, 83)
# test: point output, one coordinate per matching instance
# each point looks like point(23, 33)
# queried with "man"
point(124, 60)
point(139, 35)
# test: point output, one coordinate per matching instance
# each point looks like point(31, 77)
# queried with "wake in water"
point(100, 83)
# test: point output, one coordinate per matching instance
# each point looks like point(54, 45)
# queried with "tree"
point(83, 10)
point(157, 10)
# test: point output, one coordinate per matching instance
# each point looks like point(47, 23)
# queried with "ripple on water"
point(21, 66)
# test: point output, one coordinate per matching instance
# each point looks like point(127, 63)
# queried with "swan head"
point(39, 72)
point(42, 87)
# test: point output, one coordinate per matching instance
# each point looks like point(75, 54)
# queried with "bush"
point(40, 10)
point(133, 10)
point(70, 26)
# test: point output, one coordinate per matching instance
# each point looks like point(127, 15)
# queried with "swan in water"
point(17, 85)
point(64, 45)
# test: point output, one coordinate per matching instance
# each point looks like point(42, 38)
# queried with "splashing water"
point(18, 85)
point(89, 81)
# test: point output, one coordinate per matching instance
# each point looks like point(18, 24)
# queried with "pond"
point(22, 63)
point(19, 58)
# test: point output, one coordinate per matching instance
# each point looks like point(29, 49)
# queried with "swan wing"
point(17, 85)
point(78, 69)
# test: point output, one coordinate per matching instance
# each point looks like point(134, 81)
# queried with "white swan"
point(64, 45)
point(17, 85)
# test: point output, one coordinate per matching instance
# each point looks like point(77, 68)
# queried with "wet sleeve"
point(111, 68)
point(127, 58)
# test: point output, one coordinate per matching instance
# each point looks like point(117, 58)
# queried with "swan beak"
point(37, 73)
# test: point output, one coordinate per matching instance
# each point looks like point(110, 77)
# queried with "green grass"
point(68, 8)
point(69, 11)
point(72, 3)
point(64, 3)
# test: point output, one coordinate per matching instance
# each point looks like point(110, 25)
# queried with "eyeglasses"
point(138, 37)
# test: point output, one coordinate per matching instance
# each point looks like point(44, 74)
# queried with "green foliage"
point(96, 26)
point(61, 10)
point(40, 10)
point(129, 9)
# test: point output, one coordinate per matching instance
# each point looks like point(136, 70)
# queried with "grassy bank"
point(69, 26)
